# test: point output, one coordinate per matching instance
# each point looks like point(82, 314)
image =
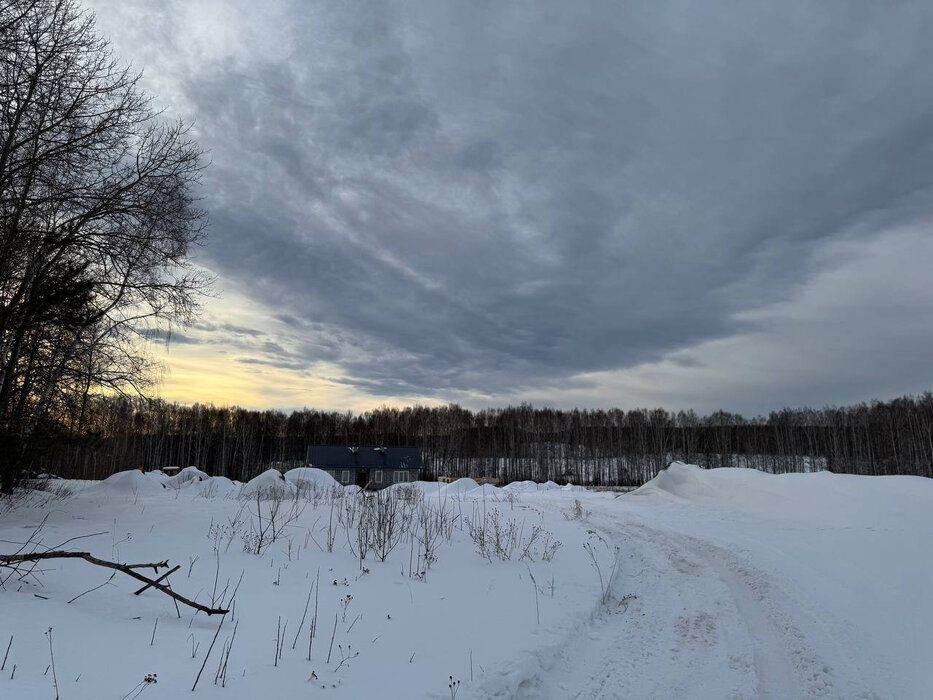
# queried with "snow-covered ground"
point(725, 583)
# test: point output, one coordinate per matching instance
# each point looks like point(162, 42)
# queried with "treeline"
point(599, 447)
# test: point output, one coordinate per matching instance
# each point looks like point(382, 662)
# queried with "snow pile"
point(485, 491)
point(218, 487)
point(268, 485)
point(129, 482)
point(522, 486)
point(309, 477)
point(680, 480)
point(187, 475)
point(459, 487)
point(161, 476)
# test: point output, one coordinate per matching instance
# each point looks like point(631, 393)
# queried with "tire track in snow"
point(707, 624)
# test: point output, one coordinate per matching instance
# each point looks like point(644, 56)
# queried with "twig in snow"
point(91, 590)
point(303, 614)
point(52, 656)
point(3, 667)
point(334, 634)
point(208, 654)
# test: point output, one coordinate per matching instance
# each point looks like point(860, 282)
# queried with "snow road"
point(754, 586)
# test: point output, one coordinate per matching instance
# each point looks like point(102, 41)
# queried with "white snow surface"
point(189, 474)
point(218, 487)
point(311, 477)
point(731, 584)
point(269, 484)
point(458, 487)
point(131, 482)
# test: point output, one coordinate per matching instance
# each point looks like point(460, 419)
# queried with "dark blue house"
point(368, 467)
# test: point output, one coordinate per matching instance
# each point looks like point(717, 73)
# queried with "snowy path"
point(701, 631)
point(709, 625)
point(750, 603)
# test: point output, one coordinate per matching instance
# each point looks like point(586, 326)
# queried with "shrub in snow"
point(502, 538)
point(576, 511)
point(271, 514)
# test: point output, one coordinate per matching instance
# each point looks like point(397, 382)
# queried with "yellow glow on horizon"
point(222, 363)
point(209, 374)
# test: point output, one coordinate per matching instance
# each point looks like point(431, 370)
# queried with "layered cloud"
point(491, 201)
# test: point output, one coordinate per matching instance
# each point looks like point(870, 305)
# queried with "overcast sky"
point(724, 204)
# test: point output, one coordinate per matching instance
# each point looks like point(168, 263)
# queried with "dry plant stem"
point(3, 666)
point(303, 615)
point(333, 634)
point(91, 590)
point(208, 654)
point(128, 569)
point(52, 656)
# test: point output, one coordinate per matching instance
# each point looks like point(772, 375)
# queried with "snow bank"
point(187, 475)
point(129, 483)
point(309, 477)
point(485, 490)
point(458, 487)
point(522, 486)
point(270, 484)
point(218, 487)
point(679, 480)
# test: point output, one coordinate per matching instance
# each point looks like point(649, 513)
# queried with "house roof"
point(324, 456)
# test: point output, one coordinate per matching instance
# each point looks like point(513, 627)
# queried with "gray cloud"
point(494, 197)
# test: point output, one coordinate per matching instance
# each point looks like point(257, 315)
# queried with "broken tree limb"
point(161, 578)
point(128, 569)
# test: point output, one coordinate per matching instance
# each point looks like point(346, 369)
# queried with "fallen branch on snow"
point(12, 560)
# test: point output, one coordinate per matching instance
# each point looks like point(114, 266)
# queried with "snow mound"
point(521, 486)
point(548, 485)
point(459, 487)
point(681, 480)
point(187, 475)
point(130, 482)
point(268, 485)
point(309, 477)
point(486, 490)
point(406, 489)
point(218, 487)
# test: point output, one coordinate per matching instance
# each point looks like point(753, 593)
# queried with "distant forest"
point(594, 447)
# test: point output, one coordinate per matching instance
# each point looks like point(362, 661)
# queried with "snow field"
point(707, 584)
point(437, 606)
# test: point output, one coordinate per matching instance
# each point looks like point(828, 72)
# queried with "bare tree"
point(97, 217)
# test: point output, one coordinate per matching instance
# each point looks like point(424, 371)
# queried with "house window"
point(378, 476)
point(345, 476)
point(400, 476)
